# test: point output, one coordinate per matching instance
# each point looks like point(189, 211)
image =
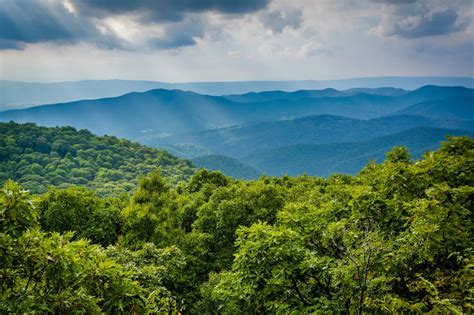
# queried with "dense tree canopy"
point(396, 238)
point(39, 157)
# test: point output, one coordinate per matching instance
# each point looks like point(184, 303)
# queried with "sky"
point(229, 40)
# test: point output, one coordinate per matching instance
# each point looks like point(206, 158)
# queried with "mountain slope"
point(238, 141)
point(39, 157)
point(326, 159)
point(227, 165)
point(433, 92)
point(450, 108)
point(160, 111)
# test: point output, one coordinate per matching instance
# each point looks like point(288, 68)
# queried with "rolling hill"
point(38, 157)
point(348, 158)
point(131, 115)
point(450, 108)
point(238, 141)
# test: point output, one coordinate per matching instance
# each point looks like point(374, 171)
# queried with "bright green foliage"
point(151, 215)
point(49, 273)
point(80, 210)
point(239, 204)
point(161, 272)
point(17, 213)
point(396, 238)
point(38, 157)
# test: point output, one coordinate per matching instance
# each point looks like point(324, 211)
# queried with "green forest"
point(395, 238)
point(39, 157)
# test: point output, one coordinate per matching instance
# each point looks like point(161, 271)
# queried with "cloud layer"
point(412, 20)
point(169, 23)
point(186, 40)
point(168, 10)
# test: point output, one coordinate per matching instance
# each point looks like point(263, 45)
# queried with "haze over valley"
point(272, 132)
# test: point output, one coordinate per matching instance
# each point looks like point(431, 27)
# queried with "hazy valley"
point(273, 132)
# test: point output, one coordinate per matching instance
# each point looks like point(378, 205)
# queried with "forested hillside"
point(38, 157)
point(396, 238)
point(345, 157)
point(243, 140)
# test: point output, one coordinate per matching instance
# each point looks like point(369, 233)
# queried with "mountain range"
point(14, 94)
point(159, 113)
point(272, 132)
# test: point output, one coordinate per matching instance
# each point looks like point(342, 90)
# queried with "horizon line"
point(243, 81)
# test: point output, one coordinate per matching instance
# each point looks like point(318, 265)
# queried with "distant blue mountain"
point(134, 114)
point(159, 113)
point(461, 107)
point(24, 94)
point(428, 92)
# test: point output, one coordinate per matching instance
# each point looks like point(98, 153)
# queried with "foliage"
point(17, 213)
point(396, 238)
point(49, 273)
point(80, 210)
point(160, 271)
point(39, 157)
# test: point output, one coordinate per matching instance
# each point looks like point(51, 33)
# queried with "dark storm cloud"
point(24, 21)
point(169, 10)
point(34, 21)
point(419, 20)
point(432, 23)
point(179, 34)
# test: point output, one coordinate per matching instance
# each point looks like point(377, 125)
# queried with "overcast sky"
point(229, 40)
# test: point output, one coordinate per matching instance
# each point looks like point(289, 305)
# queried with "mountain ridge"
point(18, 94)
point(319, 129)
